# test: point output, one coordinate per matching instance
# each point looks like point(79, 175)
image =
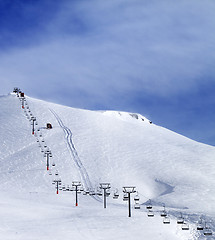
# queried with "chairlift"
point(163, 213)
point(150, 213)
point(53, 182)
point(185, 226)
point(199, 227)
point(207, 231)
point(125, 197)
point(149, 205)
point(87, 191)
point(67, 188)
point(180, 219)
point(107, 192)
point(99, 193)
point(136, 206)
point(136, 198)
point(53, 164)
point(92, 193)
point(56, 173)
point(166, 220)
point(116, 195)
point(50, 173)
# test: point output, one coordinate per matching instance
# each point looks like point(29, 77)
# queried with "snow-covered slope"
point(124, 149)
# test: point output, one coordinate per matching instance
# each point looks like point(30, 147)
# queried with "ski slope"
point(123, 149)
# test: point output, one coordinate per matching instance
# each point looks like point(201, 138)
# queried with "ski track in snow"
point(74, 154)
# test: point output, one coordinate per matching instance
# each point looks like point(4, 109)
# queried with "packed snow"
point(168, 170)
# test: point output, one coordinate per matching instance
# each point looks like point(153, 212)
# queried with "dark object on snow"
point(16, 90)
point(48, 126)
point(150, 122)
point(22, 94)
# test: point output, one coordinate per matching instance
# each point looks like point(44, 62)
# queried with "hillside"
point(123, 149)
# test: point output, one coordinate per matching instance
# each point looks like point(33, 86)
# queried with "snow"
point(123, 149)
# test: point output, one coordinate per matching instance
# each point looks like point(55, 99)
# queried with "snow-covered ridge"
point(129, 117)
point(115, 147)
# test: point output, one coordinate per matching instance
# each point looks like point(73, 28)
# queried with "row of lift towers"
point(105, 187)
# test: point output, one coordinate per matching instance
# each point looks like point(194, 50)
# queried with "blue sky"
point(148, 56)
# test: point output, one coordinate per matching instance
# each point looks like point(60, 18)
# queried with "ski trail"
point(74, 154)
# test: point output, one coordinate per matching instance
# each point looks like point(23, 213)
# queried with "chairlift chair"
point(125, 197)
point(87, 191)
point(166, 220)
point(207, 231)
point(99, 193)
point(136, 206)
point(180, 220)
point(149, 205)
point(116, 195)
point(50, 173)
point(185, 226)
point(199, 227)
point(150, 213)
point(53, 164)
point(108, 192)
point(136, 197)
point(163, 213)
point(92, 193)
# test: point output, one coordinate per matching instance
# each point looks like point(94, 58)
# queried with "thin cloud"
point(111, 48)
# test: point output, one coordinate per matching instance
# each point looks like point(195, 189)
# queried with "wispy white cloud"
point(105, 49)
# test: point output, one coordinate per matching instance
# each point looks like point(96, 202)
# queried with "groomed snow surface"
point(123, 149)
